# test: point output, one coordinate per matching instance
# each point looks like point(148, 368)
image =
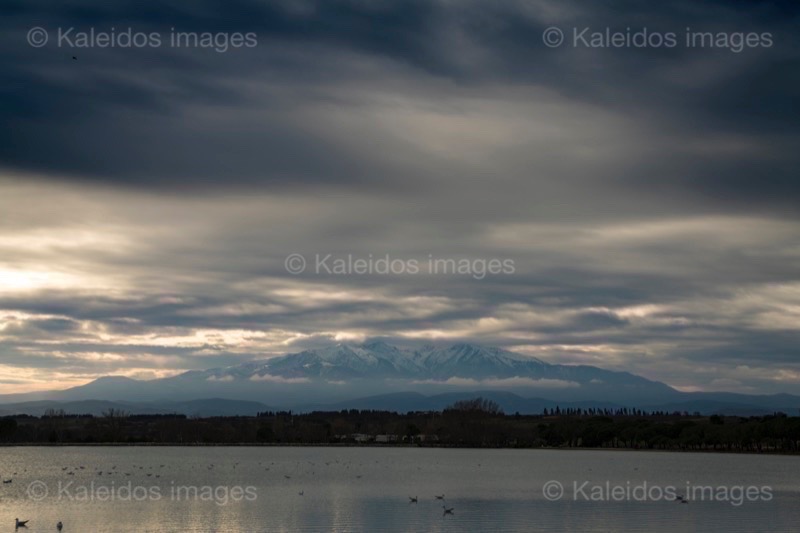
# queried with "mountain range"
point(377, 375)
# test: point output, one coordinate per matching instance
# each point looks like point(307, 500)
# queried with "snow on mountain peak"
point(378, 359)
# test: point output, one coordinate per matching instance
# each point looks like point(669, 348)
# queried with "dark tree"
point(476, 405)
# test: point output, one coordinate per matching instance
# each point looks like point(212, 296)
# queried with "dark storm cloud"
point(145, 117)
point(135, 117)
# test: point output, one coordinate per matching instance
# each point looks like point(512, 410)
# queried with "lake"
point(161, 489)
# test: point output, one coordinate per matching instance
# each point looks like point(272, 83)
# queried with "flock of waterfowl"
point(446, 510)
point(151, 472)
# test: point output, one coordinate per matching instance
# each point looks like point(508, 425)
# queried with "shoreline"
point(337, 445)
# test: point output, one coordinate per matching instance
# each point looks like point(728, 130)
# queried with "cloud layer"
point(647, 197)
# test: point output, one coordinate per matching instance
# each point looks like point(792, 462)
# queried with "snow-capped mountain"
point(379, 360)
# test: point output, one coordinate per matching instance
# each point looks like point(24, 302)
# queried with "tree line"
point(470, 423)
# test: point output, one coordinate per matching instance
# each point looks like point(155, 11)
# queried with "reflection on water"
point(111, 489)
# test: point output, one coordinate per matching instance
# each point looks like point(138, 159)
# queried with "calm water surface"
point(368, 489)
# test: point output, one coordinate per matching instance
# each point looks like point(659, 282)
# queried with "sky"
point(631, 207)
